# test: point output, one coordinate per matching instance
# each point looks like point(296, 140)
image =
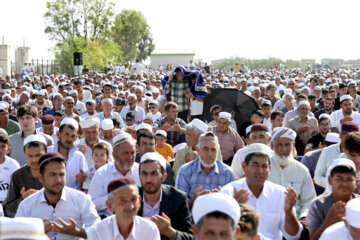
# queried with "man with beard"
point(346, 113)
point(75, 160)
point(286, 171)
point(166, 206)
point(328, 108)
point(204, 174)
point(138, 111)
point(124, 165)
point(90, 109)
point(67, 213)
point(123, 200)
point(317, 141)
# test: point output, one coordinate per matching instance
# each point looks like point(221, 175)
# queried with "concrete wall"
point(155, 61)
point(5, 58)
point(22, 55)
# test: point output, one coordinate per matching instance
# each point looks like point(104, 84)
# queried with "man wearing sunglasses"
point(215, 110)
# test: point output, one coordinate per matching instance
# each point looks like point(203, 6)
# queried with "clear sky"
point(217, 29)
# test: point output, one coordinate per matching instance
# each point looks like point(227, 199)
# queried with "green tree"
point(132, 32)
point(268, 63)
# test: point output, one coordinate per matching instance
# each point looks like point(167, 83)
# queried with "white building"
point(171, 56)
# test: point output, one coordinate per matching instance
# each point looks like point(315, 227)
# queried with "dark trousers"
point(183, 115)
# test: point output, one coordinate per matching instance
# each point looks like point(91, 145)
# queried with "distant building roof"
point(173, 52)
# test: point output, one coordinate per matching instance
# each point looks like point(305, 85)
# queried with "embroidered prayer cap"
point(121, 138)
point(144, 126)
point(35, 138)
point(266, 103)
point(345, 97)
point(225, 115)
point(304, 103)
point(107, 84)
point(348, 127)
point(161, 132)
point(70, 121)
point(47, 119)
point(107, 124)
point(23, 228)
point(332, 137)
point(90, 122)
point(350, 83)
point(287, 91)
point(154, 156)
point(259, 127)
point(216, 202)
point(119, 183)
point(131, 95)
point(50, 156)
point(283, 132)
point(259, 148)
point(352, 212)
point(155, 90)
point(199, 125)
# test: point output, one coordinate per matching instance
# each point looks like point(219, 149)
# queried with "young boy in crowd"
point(162, 147)
point(100, 157)
point(257, 116)
point(7, 167)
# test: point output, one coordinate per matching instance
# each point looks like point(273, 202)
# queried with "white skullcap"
point(107, 124)
point(266, 102)
point(23, 228)
point(161, 132)
point(107, 84)
point(155, 90)
point(4, 105)
point(68, 98)
point(324, 115)
point(70, 121)
point(258, 148)
point(214, 202)
point(317, 88)
point(352, 212)
point(304, 88)
point(106, 100)
point(121, 138)
point(3, 131)
point(90, 122)
point(5, 95)
point(175, 148)
point(283, 132)
point(248, 93)
point(35, 138)
point(248, 129)
point(199, 125)
point(225, 115)
point(131, 95)
point(332, 137)
point(335, 163)
point(287, 91)
point(345, 97)
point(73, 91)
point(304, 103)
point(144, 126)
point(26, 93)
point(152, 101)
point(40, 93)
point(154, 156)
point(90, 100)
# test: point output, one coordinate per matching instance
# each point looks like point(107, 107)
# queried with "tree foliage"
point(268, 63)
point(132, 32)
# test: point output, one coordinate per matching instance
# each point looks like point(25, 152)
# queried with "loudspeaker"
point(78, 59)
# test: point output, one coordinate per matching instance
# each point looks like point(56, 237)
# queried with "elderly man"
point(123, 200)
point(69, 111)
point(215, 111)
point(91, 132)
point(286, 171)
point(139, 112)
point(108, 131)
point(123, 165)
point(193, 131)
point(80, 106)
point(205, 174)
point(107, 107)
point(57, 102)
point(293, 113)
point(9, 125)
point(171, 124)
point(66, 213)
point(304, 126)
point(288, 102)
point(161, 202)
point(229, 140)
point(259, 133)
point(346, 113)
point(216, 216)
point(272, 201)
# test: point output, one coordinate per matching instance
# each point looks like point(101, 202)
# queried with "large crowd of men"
point(128, 154)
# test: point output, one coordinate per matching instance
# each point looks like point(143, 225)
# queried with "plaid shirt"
point(173, 138)
point(191, 176)
point(177, 93)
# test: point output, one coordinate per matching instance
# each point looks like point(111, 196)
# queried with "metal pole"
point(42, 66)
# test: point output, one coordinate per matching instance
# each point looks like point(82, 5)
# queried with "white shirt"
point(339, 115)
point(80, 106)
point(327, 156)
point(297, 176)
point(155, 116)
point(103, 176)
point(108, 229)
point(88, 153)
point(54, 136)
point(86, 114)
point(6, 170)
point(138, 112)
point(138, 68)
point(336, 231)
point(270, 205)
point(72, 204)
point(267, 122)
point(74, 163)
point(196, 107)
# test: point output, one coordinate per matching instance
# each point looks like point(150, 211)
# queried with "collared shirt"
point(270, 205)
point(233, 124)
point(148, 210)
point(72, 204)
point(296, 175)
point(338, 115)
point(88, 153)
point(116, 131)
point(230, 142)
point(291, 114)
point(191, 176)
point(138, 112)
point(12, 127)
point(296, 123)
point(267, 122)
point(113, 115)
point(108, 229)
point(173, 137)
point(176, 89)
point(74, 163)
point(336, 231)
point(17, 146)
point(327, 156)
point(103, 176)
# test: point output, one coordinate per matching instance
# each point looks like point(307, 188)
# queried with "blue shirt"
point(173, 138)
point(52, 111)
point(112, 116)
point(191, 176)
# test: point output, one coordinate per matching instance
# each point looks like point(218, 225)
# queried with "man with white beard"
point(286, 171)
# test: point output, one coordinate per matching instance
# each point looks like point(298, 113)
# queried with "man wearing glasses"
point(215, 110)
